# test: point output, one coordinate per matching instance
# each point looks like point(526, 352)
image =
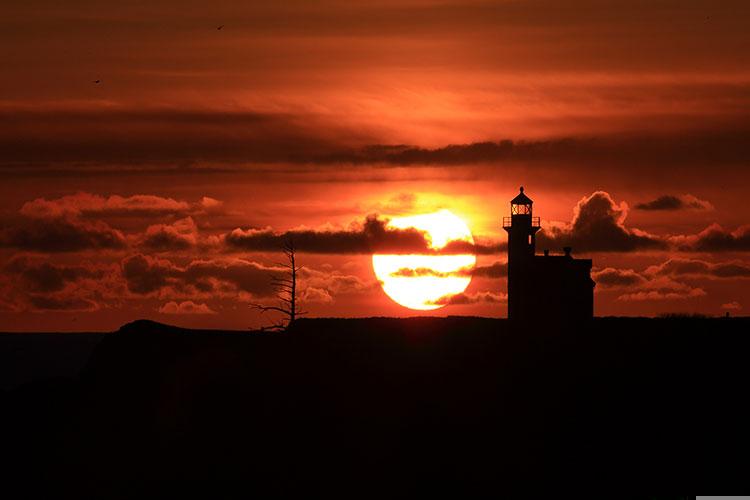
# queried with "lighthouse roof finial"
point(521, 199)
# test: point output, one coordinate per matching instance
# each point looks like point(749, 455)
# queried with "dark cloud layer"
point(81, 222)
point(715, 239)
point(717, 145)
point(145, 275)
point(673, 279)
point(373, 235)
point(62, 303)
point(127, 137)
point(92, 205)
point(671, 202)
point(60, 234)
point(644, 286)
point(47, 277)
point(699, 268)
point(142, 136)
point(494, 270)
point(37, 284)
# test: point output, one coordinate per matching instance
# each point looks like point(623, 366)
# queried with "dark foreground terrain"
point(391, 407)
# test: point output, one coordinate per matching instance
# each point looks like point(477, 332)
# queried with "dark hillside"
point(25, 357)
point(398, 406)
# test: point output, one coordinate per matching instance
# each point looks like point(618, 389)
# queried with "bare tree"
point(286, 290)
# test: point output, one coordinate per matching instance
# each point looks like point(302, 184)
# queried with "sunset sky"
point(164, 190)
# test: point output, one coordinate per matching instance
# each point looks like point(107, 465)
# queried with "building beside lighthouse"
point(543, 287)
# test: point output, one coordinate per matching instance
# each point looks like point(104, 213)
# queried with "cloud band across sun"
point(432, 277)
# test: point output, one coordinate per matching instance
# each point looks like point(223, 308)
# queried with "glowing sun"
point(427, 282)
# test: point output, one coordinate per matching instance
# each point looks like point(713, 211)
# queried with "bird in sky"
point(220, 27)
point(97, 81)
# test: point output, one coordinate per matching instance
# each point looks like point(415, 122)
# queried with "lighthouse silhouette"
point(543, 287)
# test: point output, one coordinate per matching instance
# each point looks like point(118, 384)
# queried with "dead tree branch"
point(286, 290)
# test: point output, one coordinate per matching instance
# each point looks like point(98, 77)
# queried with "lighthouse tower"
point(543, 288)
point(522, 227)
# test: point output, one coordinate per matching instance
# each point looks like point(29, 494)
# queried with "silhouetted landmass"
point(399, 407)
point(27, 357)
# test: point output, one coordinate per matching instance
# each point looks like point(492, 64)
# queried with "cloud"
point(663, 288)
point(87, 204)
point(460, 154)
point(656, 283)
point(715, 239)
point(62, 303)
point(69, 224)
point(32, 283)
point(125, 135)
point(366, 237)
point(494, 270)
point(232, 278)
point(241, 140)
point(480, 246)
point(723, 144)
point(146, 275)
point(471, 298)
point(671, 202)
point(373, 235)
point(60, 234)
point(319, 295)
point(180, 235)
point(73, 223)
point(208, 204)
point(657, 295)
point(418, 272)
point(115, 139)
point(599, 226)
point(611, 278)
point(659, 282)
point(7, 300)
point(45, 277)
point(186, 307)
point(324, 286)
point(334, 282)
point(732, 306)
point(676, 267)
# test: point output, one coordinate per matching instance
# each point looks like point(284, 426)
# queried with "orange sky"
point(318, 114)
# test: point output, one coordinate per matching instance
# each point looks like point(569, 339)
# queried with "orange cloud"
point(186, 307)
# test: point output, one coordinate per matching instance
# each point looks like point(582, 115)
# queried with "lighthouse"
point(543, 287)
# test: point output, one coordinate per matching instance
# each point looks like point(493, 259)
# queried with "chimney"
point(567, 251)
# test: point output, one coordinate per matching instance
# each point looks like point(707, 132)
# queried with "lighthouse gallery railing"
point(535, 221)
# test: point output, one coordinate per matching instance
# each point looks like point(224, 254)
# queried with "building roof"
point(521, 199)
point(558, 260)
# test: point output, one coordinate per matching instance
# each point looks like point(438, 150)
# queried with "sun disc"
point(426, 282)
